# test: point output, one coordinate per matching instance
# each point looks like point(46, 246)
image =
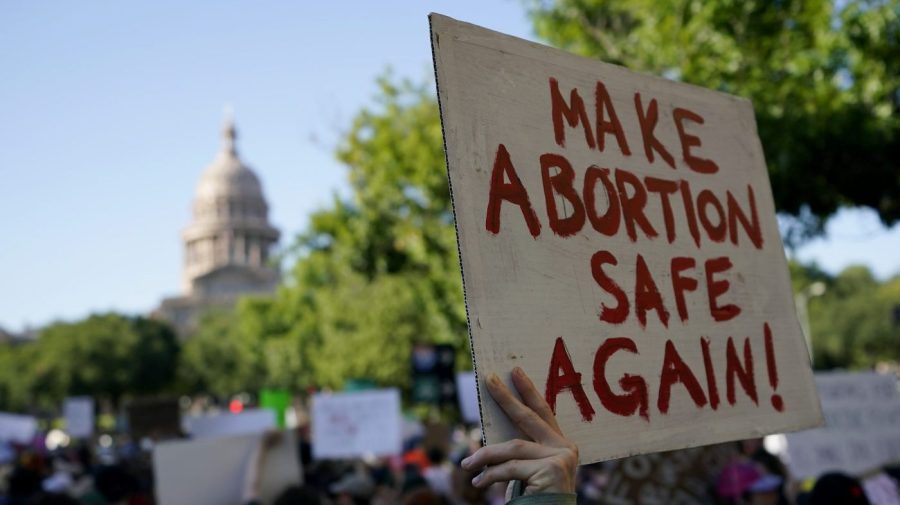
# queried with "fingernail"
point(465, 462)
point(518, 371)
point(493, 379)
point(477, 479)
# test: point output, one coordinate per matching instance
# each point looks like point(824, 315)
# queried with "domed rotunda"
point(227, 244)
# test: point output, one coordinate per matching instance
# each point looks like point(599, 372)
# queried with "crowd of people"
point(456, 471)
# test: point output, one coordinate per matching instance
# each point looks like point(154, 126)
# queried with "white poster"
point(468, 396)
point(227, 424)
point(862, 426)
point(79, 414)
point(350, 425)
point(618, 242)
point(17, 428)
point(212, 471)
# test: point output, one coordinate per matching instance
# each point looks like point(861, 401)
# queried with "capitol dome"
point(227, 176)
point(230, 226)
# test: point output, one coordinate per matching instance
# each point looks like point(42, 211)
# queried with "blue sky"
point(110, 111)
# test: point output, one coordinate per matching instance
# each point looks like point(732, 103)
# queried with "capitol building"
point(228, 243)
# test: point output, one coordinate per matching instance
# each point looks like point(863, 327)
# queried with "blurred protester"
point(114, 485)
point(837, 489)
point(437, 475)
point(462, 492)
point(298, 495)
point(412, 477)
point(56, 499)
point(755, 450)
point(745, 482)
point(424, 496)
point(592, 480)
point(354, 488)
point(23, 485)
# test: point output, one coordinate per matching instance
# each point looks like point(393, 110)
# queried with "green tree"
point(220, 359)
point(15, 376)
point(852, 324)
point(823, 77)
point(106, 356)
point(378, 270)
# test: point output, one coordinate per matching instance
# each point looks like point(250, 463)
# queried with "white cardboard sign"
point(349, 425)
point(79, 414)
point(17, 428)
point(862, 426)
point(212, 471)
point(467, 393)
point(618, 242)
point(228, 424)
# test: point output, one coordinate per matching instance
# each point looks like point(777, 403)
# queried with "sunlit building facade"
point(228, 244)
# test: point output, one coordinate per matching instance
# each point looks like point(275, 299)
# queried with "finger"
point(522, 417)
point(496, 454)
point(532, 398)
point(515, 469)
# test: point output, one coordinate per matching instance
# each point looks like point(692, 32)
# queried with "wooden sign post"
point(618, 242)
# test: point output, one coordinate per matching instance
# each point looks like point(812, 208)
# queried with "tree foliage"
point(378, 270)
point(823, 77)
point(219, 359)
point(854, 324)
point(106, 356)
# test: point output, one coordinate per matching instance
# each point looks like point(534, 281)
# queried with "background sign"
point(227, 424)
point(79, 414)
point(156, 418)
point(349, 425)
point(277, 400)
point(17, 428)
point(211, 472)
point(862, 426)
point(618, 242)
point(433, 368)
point(468, 396)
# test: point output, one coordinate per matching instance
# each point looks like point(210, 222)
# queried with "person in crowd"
point(424, 496)
point(113, 485)
point(23, 485)
point(437, 475)
point(754, 449)
point(745, 482)
point(355, 488)
point(462, 492)
point(56, 499)
point(837, 489)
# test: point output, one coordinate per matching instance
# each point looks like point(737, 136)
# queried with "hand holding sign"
point(547, 463)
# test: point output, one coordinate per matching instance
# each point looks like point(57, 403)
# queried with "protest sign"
point(227, 424)
point(212, 471)
point(155, 418)
point(618, 242)
point(468, 396)
point(17, 428)
point(432, 374)
point(79, 414)
point(862, 426)
point(349, 425)
point(278, 401)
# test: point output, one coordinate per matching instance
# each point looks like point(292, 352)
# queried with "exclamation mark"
point(777, 401)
